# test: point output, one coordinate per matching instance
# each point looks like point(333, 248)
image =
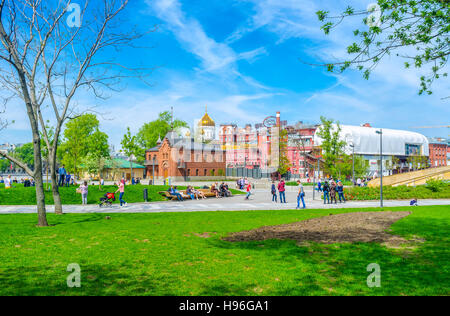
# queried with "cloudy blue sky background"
point(241, 59)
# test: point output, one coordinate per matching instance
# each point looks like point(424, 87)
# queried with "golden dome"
point(206, 120)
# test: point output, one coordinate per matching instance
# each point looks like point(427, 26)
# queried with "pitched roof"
point(122, 164)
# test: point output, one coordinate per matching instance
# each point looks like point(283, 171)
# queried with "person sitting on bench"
point(173, 191)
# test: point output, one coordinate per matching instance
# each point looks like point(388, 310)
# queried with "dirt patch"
point(340, 228)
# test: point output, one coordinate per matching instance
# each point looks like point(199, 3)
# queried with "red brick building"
point(183, 158)
point(438, 152)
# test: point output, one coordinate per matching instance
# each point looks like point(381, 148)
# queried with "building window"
point(196, 172)
point(205, 172)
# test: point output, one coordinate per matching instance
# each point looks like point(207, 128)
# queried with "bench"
point(206, 192)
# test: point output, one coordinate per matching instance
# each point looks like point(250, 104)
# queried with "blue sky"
point(241, 59)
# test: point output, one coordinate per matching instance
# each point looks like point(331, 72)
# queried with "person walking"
point(326, 192)
point(62, 175)
point(282, 191)
point(300, 195)
point(333, 192)
point(84, 192)
point(249, 190)
point(319, 186)
point(340, 191)
point(274, 192)
point(121, 190)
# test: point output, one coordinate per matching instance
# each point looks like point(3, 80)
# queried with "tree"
point(26, 154)
point(416, 31)
point(284, 164)
point(332, 146)
point(4, 164)
point(131, 148)
point(150, 132)
point(47, 56)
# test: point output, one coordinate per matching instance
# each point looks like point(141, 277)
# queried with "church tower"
point(205, 129)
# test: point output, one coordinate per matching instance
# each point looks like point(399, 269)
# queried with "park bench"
point(206, 192)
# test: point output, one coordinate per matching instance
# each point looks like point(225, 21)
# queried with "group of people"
point(65, 178)
point(281, 191)
point(190, 190)
point(83, 189)
point(330, 189)
point(242, 183)
point(221, 190)
point(281, 187)
point(8, 181)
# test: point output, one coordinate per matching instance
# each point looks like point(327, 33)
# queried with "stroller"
point(107, 199)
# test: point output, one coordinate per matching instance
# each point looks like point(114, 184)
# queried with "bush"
point(435, 185)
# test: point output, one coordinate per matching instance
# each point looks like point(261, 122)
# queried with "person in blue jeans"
point(68, 176)
point(282, 189)
point(274, 192)
point(340, 191)
point(300, 195)
point(326, 192)
point(62, 175)
point(174, 191)
point(319, 186)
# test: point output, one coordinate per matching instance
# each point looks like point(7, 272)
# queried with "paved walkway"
point(259, 201)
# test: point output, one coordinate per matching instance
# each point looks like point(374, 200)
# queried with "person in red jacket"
point(282, 191)
point(249, 190)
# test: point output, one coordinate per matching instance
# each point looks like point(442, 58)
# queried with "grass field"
point(168, 254)
point(18, 195)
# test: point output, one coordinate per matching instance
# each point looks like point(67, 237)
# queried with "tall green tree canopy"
point(26, 154)
point(82, 136)
point(416, 31)
point(332, 146)
point(148, 134)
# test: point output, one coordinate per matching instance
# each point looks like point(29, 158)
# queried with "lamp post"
point(153, 173)
point(381, 166)
point(353, 162)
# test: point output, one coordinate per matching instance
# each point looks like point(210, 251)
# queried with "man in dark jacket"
point(326, 192)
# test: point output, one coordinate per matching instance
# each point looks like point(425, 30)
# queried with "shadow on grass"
point(96, 280)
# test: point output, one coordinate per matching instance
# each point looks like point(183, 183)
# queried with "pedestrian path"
point(228, 204)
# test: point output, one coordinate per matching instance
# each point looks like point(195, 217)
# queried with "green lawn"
point(18, 195)
point(160, 254)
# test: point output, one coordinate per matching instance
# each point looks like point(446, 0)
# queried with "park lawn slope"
point(184, 254)
point(402, 192)
point(18, 195)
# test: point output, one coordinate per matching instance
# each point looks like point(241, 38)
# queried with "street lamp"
point(153, 172)
point(381, 166)
point(353, 162)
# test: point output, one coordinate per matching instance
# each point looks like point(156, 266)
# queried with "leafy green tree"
point(131, 148)
point(4, 164)
point(332, 146)
point(283, 163)
point(148, 134)
point(82, 136)
point(26, 154)
point(344, 167)
point(416, 31)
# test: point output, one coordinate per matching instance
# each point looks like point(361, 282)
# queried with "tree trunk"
point(39, 181)
point(55, 189)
